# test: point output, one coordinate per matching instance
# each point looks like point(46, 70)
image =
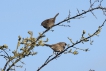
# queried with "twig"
point(69, 47)
point(84, 12)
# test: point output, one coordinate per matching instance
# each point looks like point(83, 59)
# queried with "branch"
point(84, 12)
point(14, 64)
point(69, 47)
point(7, 61)
point(40, 36)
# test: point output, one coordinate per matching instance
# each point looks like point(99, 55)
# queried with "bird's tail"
point(47, 45)
point(56, 15)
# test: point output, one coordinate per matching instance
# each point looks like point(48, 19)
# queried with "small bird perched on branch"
point(58, 47)
point(48, 23)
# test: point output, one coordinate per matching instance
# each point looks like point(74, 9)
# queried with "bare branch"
point(84, 12)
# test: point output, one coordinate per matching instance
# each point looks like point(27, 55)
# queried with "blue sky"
point(17, 17)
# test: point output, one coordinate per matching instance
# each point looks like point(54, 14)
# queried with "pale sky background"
point(17, 17)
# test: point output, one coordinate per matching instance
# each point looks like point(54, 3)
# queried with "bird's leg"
point(51, 29)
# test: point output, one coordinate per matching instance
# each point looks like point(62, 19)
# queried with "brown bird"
point(58, 47)
point(48, 23)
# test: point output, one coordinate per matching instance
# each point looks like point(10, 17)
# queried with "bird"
point(58, 47)
point(48, 23)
